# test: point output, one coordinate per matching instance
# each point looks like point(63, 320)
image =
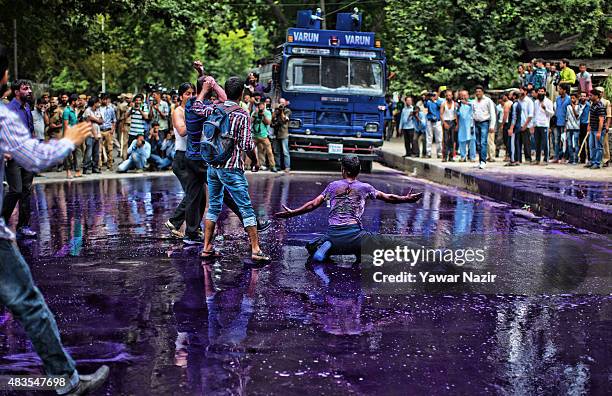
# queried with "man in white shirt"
point(543, 111)
point(484, 121)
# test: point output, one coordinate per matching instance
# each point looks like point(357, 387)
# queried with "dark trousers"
point(582, 137)
point(388, 129)
point(179, 168)
point(506, 138)
point(541, 141)
point(195, 177)
point(449, 140)
point(411, 143)
point(20, 190)
point(19, 294)
point(526, 141)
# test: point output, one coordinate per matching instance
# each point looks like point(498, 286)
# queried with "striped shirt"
point(596, 113)
point(138, 123)
point(240, 125)
point(16, 140)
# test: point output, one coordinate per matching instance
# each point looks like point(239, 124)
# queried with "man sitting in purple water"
point(347, 198)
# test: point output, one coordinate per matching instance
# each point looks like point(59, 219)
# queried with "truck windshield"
point(334, 75)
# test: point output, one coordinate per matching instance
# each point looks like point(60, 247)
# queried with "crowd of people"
point(554, 116)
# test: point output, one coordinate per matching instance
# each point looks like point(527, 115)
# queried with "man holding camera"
point(280, 122)
point(160, 112)
point(139, 114)
point(262, 118)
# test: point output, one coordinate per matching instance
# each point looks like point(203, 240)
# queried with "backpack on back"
point(217, 142)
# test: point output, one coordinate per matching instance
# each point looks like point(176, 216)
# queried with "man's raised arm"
point(396, 199)
point(307, 207)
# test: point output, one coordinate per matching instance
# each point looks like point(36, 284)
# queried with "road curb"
point(583, 214)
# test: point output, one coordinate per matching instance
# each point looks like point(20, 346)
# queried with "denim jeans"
point(234, 182)
point(19, 294)
point(558, 132)
point(134, 161)
point(572, 144)
point(482, 137)
point(159, 162)
point(92, 154)
point(596, 147)
point(281, 146)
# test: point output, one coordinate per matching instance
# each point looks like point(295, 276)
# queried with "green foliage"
point(429, 43)
point(448, 42)
point(69, 81)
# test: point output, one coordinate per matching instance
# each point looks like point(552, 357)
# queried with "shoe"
point(263, 226)
point(491, 160)
point(287, 171)
point(88, 172)
point(193, 240)
point(26, 232)
point(482, 165)
point(263, 168)
point(89, 383)
point(588, 165)
point(596, 167)
point(607, 164)
point(173, 230)
point(444, 160)
point(140, 170)
point(97, 171)
point(273, 170)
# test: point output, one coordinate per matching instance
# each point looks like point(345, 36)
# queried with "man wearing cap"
point(125, 119)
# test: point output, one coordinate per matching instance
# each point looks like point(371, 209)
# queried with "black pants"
point(388, 130)
point(506, 138)
point(541, 141)
point(411, 143)
point(195, 180)
point(20, 190)
point(92, 155)
point(449, 140)
point(581, 137)
point(526, 141)
point(179, 168)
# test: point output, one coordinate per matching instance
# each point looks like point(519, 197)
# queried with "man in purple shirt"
point(18, 178)
point(347, 200)
point(18, 292)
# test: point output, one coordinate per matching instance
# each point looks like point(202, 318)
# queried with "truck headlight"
point(371, 127)
point(295, 123)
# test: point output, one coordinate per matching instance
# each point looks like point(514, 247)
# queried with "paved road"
point(126, 294)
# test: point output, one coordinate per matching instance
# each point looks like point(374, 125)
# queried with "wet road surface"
point(126, 295)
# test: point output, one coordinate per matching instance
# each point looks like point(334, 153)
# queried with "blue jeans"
point(19, 294)
point(159, 162)
point(596, 147)
point(282, 146)
point(465, 146)
point(92, 154)
point(482, 136)
point(134, 161)
point(541, 142)
point(234, 181)
point(557, 143)
point(572, 144)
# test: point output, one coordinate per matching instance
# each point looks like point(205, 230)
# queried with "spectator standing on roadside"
point(515, 124)
point(584, 107)
point(485, 117)
point(92, 150)
point(280, 121)
point(108, 129)
point(465, 118)
point(559, 137)
point(572, 128)
point(596, 131)
point(584, 79)
point(388, 117)
point(539, 75)
point(261, 119)
point(407, 126)
point(55, 113)
point(543, 111)
point(434, 124)
point(506, 120)
point(607, 124)
point(567, 75)
point(124, 117)
point(139, 114)
point(527, 124)
point(448, 114)
point(160, 112)
point(40, 119)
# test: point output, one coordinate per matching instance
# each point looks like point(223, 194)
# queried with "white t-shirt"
point(450, 113)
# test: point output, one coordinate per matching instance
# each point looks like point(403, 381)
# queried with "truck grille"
point(362, 119)
point(307, 117)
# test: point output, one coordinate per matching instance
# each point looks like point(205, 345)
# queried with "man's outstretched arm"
point(396, 199)
point(307, 207)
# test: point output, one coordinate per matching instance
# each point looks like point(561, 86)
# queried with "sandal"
point(208, 254)
point(259, 256)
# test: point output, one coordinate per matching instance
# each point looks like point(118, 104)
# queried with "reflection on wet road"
point(125, 294)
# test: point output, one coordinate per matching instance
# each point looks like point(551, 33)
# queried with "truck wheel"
point(366, 166)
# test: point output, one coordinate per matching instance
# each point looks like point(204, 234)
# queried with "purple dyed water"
point(126, 294)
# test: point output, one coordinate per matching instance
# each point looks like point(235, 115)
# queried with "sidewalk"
point(570, 193)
